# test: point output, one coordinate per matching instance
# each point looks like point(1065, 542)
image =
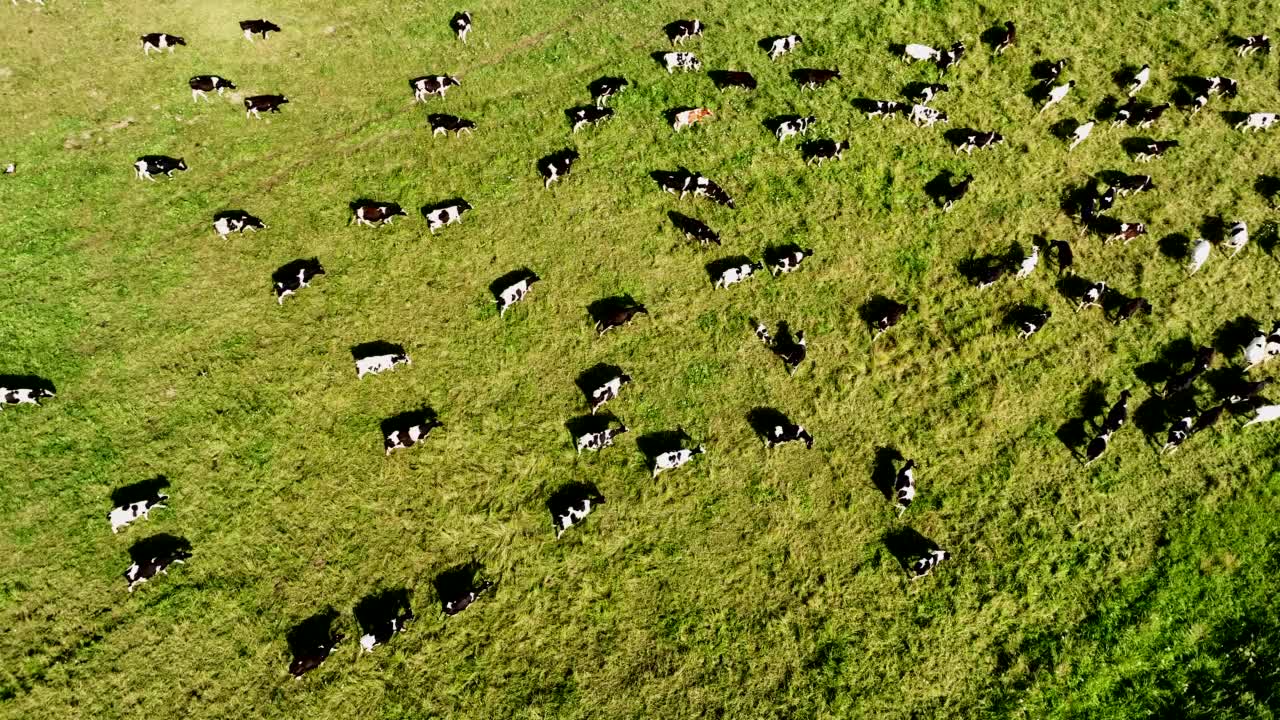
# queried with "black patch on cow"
point(139, 491)
point(1075, 433)
point(977, 268)
point(906, 546)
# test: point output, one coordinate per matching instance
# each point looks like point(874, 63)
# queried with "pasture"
point(747, 584)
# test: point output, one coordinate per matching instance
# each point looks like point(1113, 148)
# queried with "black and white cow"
point(820, 151)
point(1253, 44)
point(734, 78)
point(673, 61)
point(374, 364)
point(1056, 94)
point(263, 103)
point(681, 30)
point(1139, 80)
point(925, 116)
point(1178, 433)
point(439, 217)
point(949, 58)
point(598, 441)
point(1224, 86)
point(1052, 71)
point(235, 221)
point(886, 108)
point(201, 84)
point(924, 94)
point(1152, 114)
point(926, 564)
point(1127, 232)
point(461, 25)
point(736, 274)
point(515, 292)
point(1154, 149)
point(888, 315)
point(1128, 114)
point(122, 515)
point(409, 436)
point(372, 213)
point(160, 41)
point(296, 275)
point(1032, 322)
point(1246, 391)
point(794, 126)
point(569, 511)
point(23, 396)
point(605, 88)
point(580, 117)
point(814, 78)
point(793, 354)
point(783, 45)
point(1092, 296)
point(979, 141)
point(1098, 446)
point(463, 598)
point(619, 317)
point(917, 52)
point(1007, 38)
point(442, 124)
point(257, 27)
point(787, 433)
point(311, 658)
point(140, 572)
point(608, 391)
point(1130, 184)
point(990, 275)
point(695, 229)
point(704, 187)
point(1237, 237)
point(1081, 133)
point(788, 262)
point(904, 487)
point(554, 167)
point(1118, 415)
point(674, 459)
point(1257, 121)
point(381, 632)
point(427, 85)
point(149, 165)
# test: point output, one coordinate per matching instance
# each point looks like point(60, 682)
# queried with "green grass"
point(746, 585)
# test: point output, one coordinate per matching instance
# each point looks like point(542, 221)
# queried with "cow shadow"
point(658, 58)
point(595, 376)
point(1175, 246)
point(451, 202)
point(884, 470)
point(1192, 84)
point(139, 491)
point(567, 494)
point(1076, 432)
point(376, 347)
point(1213, 228)
point(1225, 381)
point(376, 610)
point(1076, 198)
point(289, 271)
point(654, 444)
point(1064, 129)
point(1123, 77)
point(583, 424)
point(1268, 237)
point(975, 267)
point(866, 105)
point(1107, 108)
point(723, 79)
point(683, 223)
point(1268, 186)
point(158, 546)
point(1134, 146)
point(764, 419)
point(23, 381)
point(1111, 177)
point(595, 87)
point(508, 279)
point(1173, 356)
point(939, 189)
point(311, 633)
point(1182, 98)
point(906, 545)
point(913, 89)
point(1042, 70)
point(1233, 117)
point(421, 416)
point(897, 49)
point(1037, 93)
point(237, 214)
point(606, 308)
point(1073, 287)
point(1151, 417)
point(992, 36)
point(1234, 335)
point(957, 136)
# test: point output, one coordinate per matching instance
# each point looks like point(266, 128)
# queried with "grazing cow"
point(608, 391)
point(681, 30)
point(675, 459)
point(556, 166)
point(1056, 94)
point(619, 317)
point(1178, 432)
point(605, 88)
point(1237, 237)
point(734, 78)
point(788, 262)
point(1127, 232)
point(957, 193)
point(886, 108)
point(149, 165)
point(685, 118)
point(926, 564)
point(925, 94)
point(915, 52)
point(979, 141)
point(904, 487)
point(794, 126)
point(235, 221)
point(296, 275)
point(306, 660)
point(201, 84)
point(990, 275)
point(428, 85)
point(1182, 382)
point(257, 27)
point(949, 58)
point(515, 292)
point(1125, 114)
point(1257, 121)
point(1139, 80)
point(1007, 38)
point(1224, 86)
point(1154, 149)
point(259, 103)
point(1253, 44)
point(160, 41)
point(461, 25)
point(123, 515)
point(792, 355)
point(1029, 263)
point(382, 631)
point(598, 441)
point(1131, 307)
point(23, 396)
point(374, 364)
point(580, 117)
point(447, 215)
point(1032, 323)
point(1097, 446)
point(890, 315)
point(1092, 296)
point(823, 150)
point(736, 274)
point(442, 124)
point(673, 61)
point(704, 187)
point(409, 436)
point(814, 78)
point(695, 229)
point(1052, 71)
point(369, 213)
point(567, 512)
point(1266, 413)
point(783, 45)
point(1134, 184)
point(785, 433)
point(1152, 114)
point(925, 116)
point(140, 572)
point(1062, 255)
point(1199, 253)
point(680, 182)
point(464, 598)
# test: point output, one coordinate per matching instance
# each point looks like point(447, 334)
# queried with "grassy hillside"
point(749, 584)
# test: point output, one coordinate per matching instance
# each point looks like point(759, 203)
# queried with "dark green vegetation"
point(746, 585)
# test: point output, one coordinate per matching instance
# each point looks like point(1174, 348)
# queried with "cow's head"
point(182, 164)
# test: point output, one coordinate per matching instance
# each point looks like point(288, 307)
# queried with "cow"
point(1153, 149)
point(1092, 296)
point(1106, 199)
point(1257, 121)
point(1182, 382)
point(673, 61)
point(782, 45)
point(823, 150)
point(598, 441)
point(515, 292)
point(886, 108)
point(257, 27)
point(736, 274)
point(1256, 351)
point(814, 78)
point(441, 216)
point(1062, 255)
point(374, 364)
point(1252, 44)
point(580, 117)
point(990, 275)
point(949, 58)
point(1265, 413)
point(296, 275)
point(685, 118)
point(201, 84)
point(791, 353)
point(607, 391)
point(1007, 38)
point(427, 85)
point(1198, 102)
point(1125, 114)
point(957, 193)
point(23, 396)
point(794, 126)
point(681, 30)
point(1152, 114)
point(149, 165)
point(915, 52)
point(1127, 232)
point(442, 124)
point(306, 660)
point(1247, 391)
point(409, 435)
point(1131, 307)
point(160, 41)
point(569, 511)
point(122, 515)
point(734, 78)
point(1237, 237)
point(1118, 415)
point(619, 317)
point(461, 25)
point(704, 187)
point(1178, 432)
point(1051, 71)
point(1224, 86)
point(236, 221)
point(554, 167)
point(1139, 80)
point(1097, 447)
point(924, 94)
point(926, 564)
point(886, 316)
point(904, 487)
point(140, 572)
point(259, 103)
point(1032, 322)
point(1199, 254)
point(695, 229)
point(381, 632)
point(788, 262)
point(786, 433)
point(979, 141)
point(1130, 184)
point(674, 459)
point(1029, 263)
point(605, 88)
point(925, 116)
point(1208, 418)
point(680, 182)
point(462, 598)
point(1056, 94)
point(373, 213)
point(11, 168)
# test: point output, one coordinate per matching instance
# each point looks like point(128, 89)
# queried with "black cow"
point(695, 229)
point(291, 278)
point(149, 165)
point(260, 103)
point(257, 27)
point(813, 78)
point(618, 317)
point(369, 212)
point(445, 124)
point(733, 78)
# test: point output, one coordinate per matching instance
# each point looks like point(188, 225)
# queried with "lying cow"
point(580, 117)
point(673, 61)
point(736, 274)
point(263, 103)
point(257, 27)
point(160, 41)
point(23, 396)
point(140, 572)
point(149, 165)
point(235, 221)
point(442, 124)
point(783, 45)
point(685, 118)
point(446, 215)
point(598, 441)
point(515, 292)
point(201, 84)
point(381, 632)
point(375, 213)
point(374, 364)
point(122, 515)
point(428, 85)
point(409, 436)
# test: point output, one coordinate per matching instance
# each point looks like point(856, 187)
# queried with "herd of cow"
point(572, 505)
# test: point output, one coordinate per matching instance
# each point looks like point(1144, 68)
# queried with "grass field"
point(749, 584)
